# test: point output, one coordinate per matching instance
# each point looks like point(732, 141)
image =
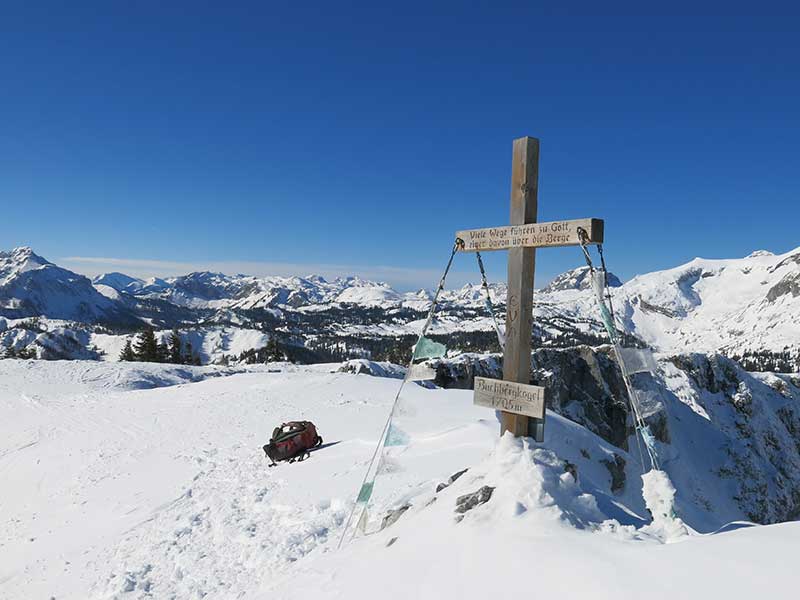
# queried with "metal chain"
point(613, 332)
point(489, 306)
point(459, 243)
point(605, 281)
point(583, 240)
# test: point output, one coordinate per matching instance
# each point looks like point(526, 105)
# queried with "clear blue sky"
point(339, 136)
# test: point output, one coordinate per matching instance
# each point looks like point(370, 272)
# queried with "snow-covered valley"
point(148, 481)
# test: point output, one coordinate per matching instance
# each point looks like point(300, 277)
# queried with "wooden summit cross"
point(522, 405)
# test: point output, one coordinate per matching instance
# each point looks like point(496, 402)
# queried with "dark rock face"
point(572, 469)
point(647, 307)
point(761, 425)
point(460, 373)
point(713, 373)
point(585, 385)
point(470, 501)
point(617, 470)
point(788, 285)
point(793, 259)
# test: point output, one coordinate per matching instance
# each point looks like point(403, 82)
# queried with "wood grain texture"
point(521, 267)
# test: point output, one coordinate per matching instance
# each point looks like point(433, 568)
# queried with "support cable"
point(501, 338)
point(365, 491)
point(609, 322)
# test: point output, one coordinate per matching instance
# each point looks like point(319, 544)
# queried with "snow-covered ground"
point(110, 490)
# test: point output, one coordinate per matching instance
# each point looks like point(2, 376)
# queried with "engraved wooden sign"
point(516, 398)
point(531, 235)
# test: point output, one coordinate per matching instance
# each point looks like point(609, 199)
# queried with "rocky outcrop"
point(756, 417)
point(616, 468)
point(469, 501)
point(584, 384)
point(740, 429)
point(450, 481)
point(790, 284)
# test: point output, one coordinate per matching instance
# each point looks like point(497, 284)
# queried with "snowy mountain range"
point(744, 307)
point(204, 290)
point(32, 286)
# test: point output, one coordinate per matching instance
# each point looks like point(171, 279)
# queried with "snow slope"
point(741, 305)
point(116, 492)
point(211, 344)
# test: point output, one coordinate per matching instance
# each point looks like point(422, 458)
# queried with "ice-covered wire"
point(382, 440)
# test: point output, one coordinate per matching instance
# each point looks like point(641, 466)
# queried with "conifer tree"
point(27, 353)
point(274, 353)
point(146, 348)
point(190, 358)
point(127, 354)
point(175, 348)
point(162, 352)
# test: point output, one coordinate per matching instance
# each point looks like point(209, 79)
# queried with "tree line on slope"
point(23, 353)
point(147, 348)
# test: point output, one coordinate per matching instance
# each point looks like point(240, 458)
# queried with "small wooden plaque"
point(511, 397)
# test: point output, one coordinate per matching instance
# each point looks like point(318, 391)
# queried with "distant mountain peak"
point(32, 286)
point(576, 279)
point(23, 254)
point(116, 280)
point(313, 278)
point(19, 260)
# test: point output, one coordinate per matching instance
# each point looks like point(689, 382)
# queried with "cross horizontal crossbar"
point(532, 235)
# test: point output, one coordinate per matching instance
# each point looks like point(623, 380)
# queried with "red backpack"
point(292, 441)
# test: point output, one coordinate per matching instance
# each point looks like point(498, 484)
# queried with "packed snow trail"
point(167, 489)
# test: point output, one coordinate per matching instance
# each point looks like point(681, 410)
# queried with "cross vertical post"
point(522, 406)
point(521, 267)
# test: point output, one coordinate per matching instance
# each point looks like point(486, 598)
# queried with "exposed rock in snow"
point(469, 501)
point(392, 516)
point(367, 367)
point(451, 480)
